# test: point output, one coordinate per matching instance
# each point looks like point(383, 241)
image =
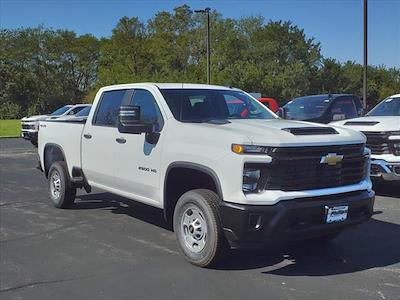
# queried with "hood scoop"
point(311, 130)
point(361, 123)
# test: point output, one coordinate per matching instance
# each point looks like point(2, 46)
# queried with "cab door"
point(137, 162)
point(98, 141)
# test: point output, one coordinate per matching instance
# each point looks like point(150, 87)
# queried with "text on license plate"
point(336, 213)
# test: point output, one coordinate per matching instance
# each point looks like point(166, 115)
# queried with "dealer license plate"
point(336, 213)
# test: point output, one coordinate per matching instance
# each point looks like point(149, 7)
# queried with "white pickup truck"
point(224, 177)
point(381, 126)
point(30, 125)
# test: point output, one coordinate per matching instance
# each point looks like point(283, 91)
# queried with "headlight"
point(251, 149)
point(251, 177)
point(394, 139)
point(367, 155)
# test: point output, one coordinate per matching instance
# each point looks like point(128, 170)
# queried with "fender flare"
point(46, 168)
point(194, 166)
point(197, 167)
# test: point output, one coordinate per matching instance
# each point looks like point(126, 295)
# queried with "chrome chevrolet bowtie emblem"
point(331, 159)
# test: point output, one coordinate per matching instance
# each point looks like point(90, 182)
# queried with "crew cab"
point(382, 129)
point(222, 179)
point(323, 108)
point(30, 125)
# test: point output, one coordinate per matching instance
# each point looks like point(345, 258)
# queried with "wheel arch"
point(51, 153)
point(207, 177)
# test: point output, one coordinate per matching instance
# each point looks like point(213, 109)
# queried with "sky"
point(336, 24)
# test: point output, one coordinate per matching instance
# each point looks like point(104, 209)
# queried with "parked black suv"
point(323, 108)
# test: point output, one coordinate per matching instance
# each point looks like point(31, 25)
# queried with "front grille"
point(27, 126)
point(378, 142)
point(294, 169)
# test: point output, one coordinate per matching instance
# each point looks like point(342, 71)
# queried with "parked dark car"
point(323, 108)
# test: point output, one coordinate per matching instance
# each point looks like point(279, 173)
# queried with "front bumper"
point(29, 135)
point(298, 219)
point(389, 171)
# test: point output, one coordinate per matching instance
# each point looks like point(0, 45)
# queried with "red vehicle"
point(271, 103)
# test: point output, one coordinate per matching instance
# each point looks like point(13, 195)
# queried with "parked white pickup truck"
point(382, 129)
point(30, 125)
point(222, 179)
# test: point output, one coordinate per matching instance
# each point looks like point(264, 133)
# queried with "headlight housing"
point(254, 177)
point(251, 177)
point(394, 139)
point(367, 155)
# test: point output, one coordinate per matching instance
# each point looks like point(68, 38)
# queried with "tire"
point(61, 193)
point(198, 228)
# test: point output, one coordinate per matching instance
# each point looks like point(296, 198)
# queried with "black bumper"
point(297, 219)
point(32, 136)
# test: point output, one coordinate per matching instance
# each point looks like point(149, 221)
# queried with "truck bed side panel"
point(66, 135)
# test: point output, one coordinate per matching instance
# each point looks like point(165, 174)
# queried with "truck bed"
point(65, 133)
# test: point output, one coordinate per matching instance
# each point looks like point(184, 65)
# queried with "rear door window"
point(107, 111)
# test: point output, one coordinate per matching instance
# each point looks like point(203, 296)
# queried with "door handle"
point(120, 140)
point(87, 136)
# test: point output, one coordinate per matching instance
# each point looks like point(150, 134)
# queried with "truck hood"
point(35, 118)
point(272, 133)
point(384, 123)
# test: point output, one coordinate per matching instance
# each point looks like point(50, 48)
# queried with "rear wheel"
point(198, 227)
point(62, 194)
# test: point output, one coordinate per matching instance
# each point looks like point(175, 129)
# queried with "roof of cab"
point(170, 86)
point(332, 96)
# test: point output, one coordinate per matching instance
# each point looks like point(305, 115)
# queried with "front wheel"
point(198, 228)
point(62, 194)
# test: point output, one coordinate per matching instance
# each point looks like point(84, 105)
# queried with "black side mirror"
point(129, 120)
point(152, 137)
point(282, 112)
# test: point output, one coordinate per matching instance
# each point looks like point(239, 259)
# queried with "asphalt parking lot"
point(107, 247)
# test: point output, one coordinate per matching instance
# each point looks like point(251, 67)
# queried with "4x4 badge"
point(331, 159)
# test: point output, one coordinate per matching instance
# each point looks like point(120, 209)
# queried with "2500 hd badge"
point(147, 169)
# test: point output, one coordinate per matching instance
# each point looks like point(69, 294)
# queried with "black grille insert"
point(27, 126)
point(378, 142)
point(294, 169)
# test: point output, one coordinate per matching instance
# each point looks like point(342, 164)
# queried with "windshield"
point(61, 110)
point(84, 112)
point(305, 108)
point(388, 107)
point(202, 105)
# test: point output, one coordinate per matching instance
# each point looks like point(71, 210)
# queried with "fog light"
point(254, 222)
point(375, 170)
point(396, 170)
